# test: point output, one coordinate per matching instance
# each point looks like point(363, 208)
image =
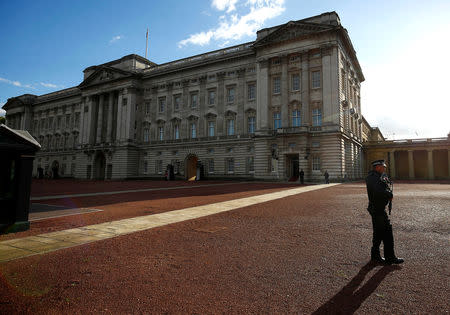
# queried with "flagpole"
point(146, 43)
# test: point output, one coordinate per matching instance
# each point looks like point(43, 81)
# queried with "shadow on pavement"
point(347, 301)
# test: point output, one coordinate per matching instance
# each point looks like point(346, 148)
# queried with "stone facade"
point(290, 100)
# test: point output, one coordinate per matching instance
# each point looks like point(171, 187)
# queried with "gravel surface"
point(303, 254)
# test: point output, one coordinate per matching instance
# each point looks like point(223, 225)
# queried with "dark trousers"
point(382, 232)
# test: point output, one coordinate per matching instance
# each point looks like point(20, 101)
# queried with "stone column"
point(448, 161)
point(262, 98)
point(119, 118)
point(80, 127)
point(100, 119)
point(240, 101)
point(91, 122)
point(430, 164)
point(220, 105)
point(392, 162)
point(110, 117)
point(305, 90)
point(411, 164)
point(285, 87)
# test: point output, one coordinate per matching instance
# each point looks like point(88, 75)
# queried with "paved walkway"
point(33, 245)
point(122, 192)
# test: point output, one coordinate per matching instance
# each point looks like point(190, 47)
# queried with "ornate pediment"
point(292, 30)
point(104, 74)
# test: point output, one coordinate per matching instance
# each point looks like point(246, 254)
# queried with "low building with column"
point(266, 109)
point(412, 158)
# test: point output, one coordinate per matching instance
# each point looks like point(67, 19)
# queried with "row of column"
point(98, 117)
point(411, 172)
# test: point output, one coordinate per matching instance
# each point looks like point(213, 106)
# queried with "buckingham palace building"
point(288, 101)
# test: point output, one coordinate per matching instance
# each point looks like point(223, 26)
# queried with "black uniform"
point(379, 195)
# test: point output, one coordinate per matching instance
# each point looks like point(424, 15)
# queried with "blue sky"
point(402, 46)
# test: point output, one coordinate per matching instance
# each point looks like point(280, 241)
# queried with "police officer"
point(379, 195)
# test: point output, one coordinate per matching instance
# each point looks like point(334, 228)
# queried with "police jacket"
point(378, 192)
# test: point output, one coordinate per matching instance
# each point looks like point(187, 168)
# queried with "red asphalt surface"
point(302, 254)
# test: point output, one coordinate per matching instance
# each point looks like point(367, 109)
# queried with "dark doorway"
point(191, 167)
point(99, 166)
point(55, 169)
point(292, 169)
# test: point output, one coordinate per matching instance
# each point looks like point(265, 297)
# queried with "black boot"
point(394, 260)
point(375, 256)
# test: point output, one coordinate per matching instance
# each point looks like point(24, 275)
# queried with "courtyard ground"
point(301, 254)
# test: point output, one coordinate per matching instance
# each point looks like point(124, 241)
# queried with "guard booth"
point(17, 152)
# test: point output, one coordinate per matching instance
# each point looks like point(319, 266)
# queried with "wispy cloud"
point(234, 26)
point(51, 85)
point(2, 111)
point(16, 83)
point(115, 39)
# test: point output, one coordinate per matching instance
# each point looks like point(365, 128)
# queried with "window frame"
point(316, 83)
point(277, 118)
point(316, 117)
point(296, 117)
point(276, 85)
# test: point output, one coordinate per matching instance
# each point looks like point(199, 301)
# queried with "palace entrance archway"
point(191, 167)
point(55, 169)
point(99, 166)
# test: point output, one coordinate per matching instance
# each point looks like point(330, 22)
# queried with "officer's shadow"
point(347, 301)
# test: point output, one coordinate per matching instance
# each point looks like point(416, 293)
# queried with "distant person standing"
point(302, 176)
point(327, 177)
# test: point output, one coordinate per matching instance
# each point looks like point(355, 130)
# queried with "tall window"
point(210, 165)
point(343, 81)
point(296, 120)
point(316, 163)
point(230, 165)
point(295, 82)
point(67, 125)
point(250, 164)
point(176, 102)
point(77, 119)
point(230, 127)
point(147, 108)
point(316, 117)
point(276, 120)
point(162, 104)
point(194, 100)
point(159, 166)
point(146, 135)
point(315, 77)
point(161, 133)
point(193, 130)
point(211, 128)
point(176, 131)
point(211, 97)
point(230, 94)
point(251, 91)
point(145, 167)
point(251, 124)
point(276, 85)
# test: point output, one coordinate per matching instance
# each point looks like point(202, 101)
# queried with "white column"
point(430, 164)
point(285, 88)
point(392, 166)
point(305, 89)
point(110, 117)
point(448, 161)
point(262, 101)
point(100, 119)
point(411, 164)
